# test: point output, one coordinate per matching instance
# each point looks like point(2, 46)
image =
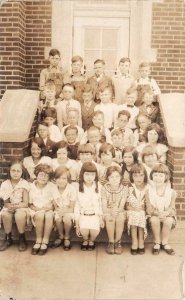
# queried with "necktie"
point(128, 105)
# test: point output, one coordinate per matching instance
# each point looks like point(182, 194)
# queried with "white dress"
point(30, 166)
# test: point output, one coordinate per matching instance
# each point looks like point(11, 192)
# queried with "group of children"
point(98, 160)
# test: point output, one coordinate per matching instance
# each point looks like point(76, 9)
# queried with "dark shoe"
point(91, 246)
point(141, 250)
point(134, 251)
point(22, 242)
point(110, 248)
point(84, 245)
point(43, 249)
point(6, 243)
point(57, 243)
point(118, 249)
point(168, 249)
point(35, 249)
point(156, 249)
point(67, 244)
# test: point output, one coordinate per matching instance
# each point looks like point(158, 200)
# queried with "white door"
point(104, 38)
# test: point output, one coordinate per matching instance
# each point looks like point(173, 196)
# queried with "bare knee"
point(67, 219)
point(154, 220)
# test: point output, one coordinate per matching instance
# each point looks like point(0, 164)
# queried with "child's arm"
point(25, 200)
point(171, 211)
point(150, 210)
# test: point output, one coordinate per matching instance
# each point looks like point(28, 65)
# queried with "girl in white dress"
point(88, 212)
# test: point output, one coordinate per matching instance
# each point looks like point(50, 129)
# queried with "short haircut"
point(97, 113)
point(50, 112)
point(160, 168)
point(147, 150)
point(42, 123)
point(70, 127)
point(61, 145)
point(87, 167)
point(62, 170)
point(50, 84)
point(124, 113)
point(131, 90)
point(124, 59)
point(87, 89)
point(86, 148)
point(134, 152)
point(158, 129)
point(138, 168)
point(54, 52)
point(111, 170)
point(43, 168)
point(144, 64)
point(106, 147)
point(98, 61)
point(39, 142)
point(14, 161)
point(69, 85)
point(116, 132)
point(93, 128)
point(76, 58)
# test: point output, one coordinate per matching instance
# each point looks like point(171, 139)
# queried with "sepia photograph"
point(92, 149)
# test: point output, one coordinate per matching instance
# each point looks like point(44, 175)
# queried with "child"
point(14, 192)
point(117, 142)
point(130, 157)
point(142, 122)
point(99, 80)
point(53, 72)
point(109, 109)
point(77, 78)
point(49, 145)
point(50, 100)
point(155, 138)
point(149, 159)
point(131, 97)
point(122, 124)
point(145, 81)
point(71, 134)
point(41, 197)
point(88, 213)
point(147, 107)
point(72, 119)
point(87, 107)
point(93, 137)
point(160, 202)
point(67, 102)
point(136, 208)
point(50, 117)
point(64, 207)
point(36, 158)
point(122, 81)
point(113, 196)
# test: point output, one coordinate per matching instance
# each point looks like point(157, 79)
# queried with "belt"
point(93, 214)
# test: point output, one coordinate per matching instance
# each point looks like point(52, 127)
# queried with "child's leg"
point(156, 229)
point(67, 219)
point(133, 230)
point(93, 234)
point(7, 221)
point(60, 228)
point(20, 219)
point(85, 233)
point(39, 226)
point(110, 227)
point(141, 237)
point(120, 221)
point(166, 229)
point(48, 225)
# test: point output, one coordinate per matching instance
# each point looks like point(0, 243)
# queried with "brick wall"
point(168, 37)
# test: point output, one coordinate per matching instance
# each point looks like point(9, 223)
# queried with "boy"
point(147, 106)
point(122, 81)
point(71, 133)
point(43, 132)
point(77, 78)
point(117, 143)
point(122, 125)
point(87, 107)
point(72, 118)
point(93, 137)
point(109, 109)
point(145, 81)
point(50, 117)
point(49, 93)
point(99, 79)
point(68, 102)
point(53, 72)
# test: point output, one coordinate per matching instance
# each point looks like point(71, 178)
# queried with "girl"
point(142, 122)
point(42, 195)
point(113, 196)
point(88, 213)
point(155, 137)
point(136, 208)
point(64, 207)
point(160, 203)
point(130, 157)
point(36, 158)
point(14, 192)
point(149, 159)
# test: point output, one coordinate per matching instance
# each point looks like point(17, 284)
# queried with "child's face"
point(131, 98)
point(99, 69)
point(76, 66)
point(148, 98)
point(62, 181)
point(87, 97)
point(43, 131)
point(150, 160)
point(42, 178)
point(117, 140)
point(106, 96)
point(144, 72)
point(35, 151)
point(114, 179)
point(143, 122)
point(122, 121)
point(138, 179)
point(16, 172)
point(49, 120)
point(89, 177)
point(124, 67)
point(128, 158)
point(152, 136)
point(68, 92)
point(98, 121)
point(158, 178)
point(71, 136)
point(54, 60)
point(50, 93)
point(62, 154)
point(85, 157)
point(72, 118)
point(106, 158)
point(93, 137)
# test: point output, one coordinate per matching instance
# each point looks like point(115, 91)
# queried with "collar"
point(51, 68)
